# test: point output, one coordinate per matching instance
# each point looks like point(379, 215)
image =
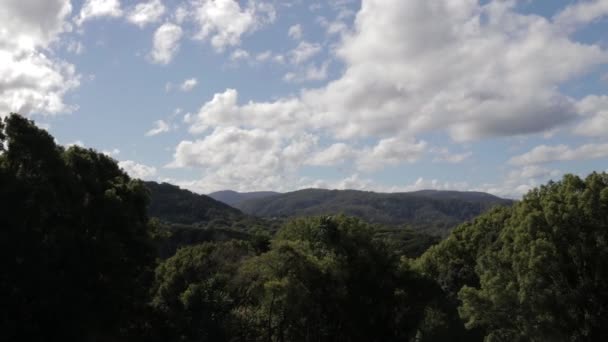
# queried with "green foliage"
point(74, 241)
point(533, 272)
point(434, 212)
point(194, 291)
point(546, 276)
point(451, 264)
point(176, 206)
point(326, 278)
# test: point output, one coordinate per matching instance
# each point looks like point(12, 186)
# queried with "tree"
point(195, 292)
point(74, 241)
point(546, 276)
point(328, 279)
point(451, 265)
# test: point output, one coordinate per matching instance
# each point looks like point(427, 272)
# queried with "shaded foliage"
point(435, 212)
point(176, 206)
point(533, 272)
point(233, 198)
point(74, 237)
point(323, 279)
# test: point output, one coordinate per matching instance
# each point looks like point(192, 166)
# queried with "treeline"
point(81, 261)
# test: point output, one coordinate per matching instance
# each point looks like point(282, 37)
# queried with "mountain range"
point(430, 211)
point(234, 198)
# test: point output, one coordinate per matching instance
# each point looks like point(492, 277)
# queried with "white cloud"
point(445, 156)
point(303, 52)
point(295, 32)
point(146, 13)
point(581, 12)
point(75, 47)
point(263, 56)
point(93, 9)
point(223, 110)
point(78, 143)
point(391, 151)
point(111, 153)
point(166, 43)
point(310, 73)
point(160, 126)
point(137, 170)
point(594, 110)
point(518, 182)
point(188, 84)
point(335, 154)
point(545, 154)
point(244, 159)
point(224, 22)
point(239, 54)
point(482, 71)
point(32, 80)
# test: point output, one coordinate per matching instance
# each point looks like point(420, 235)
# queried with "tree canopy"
point(74, 240)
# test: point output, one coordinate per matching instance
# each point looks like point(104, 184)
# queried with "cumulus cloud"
point(166, 43)
point(111, 153)
point(335, 154)
point(594, 110)
point(581, 12)
point(295, 32)
point(303, 52)
point(188, 84)
point(160, 126)
point(93, 9)
point(445, 156)
point(246, 159)
point(310, 73)
point(146, 13)
point(518, 182)
point(137, 170)
point(545, 154)
point(223, 110)
point(386, 152)
point(482, 71)
point(224, 22)
point(239, 54)
point(391, 151)
point(31, 79)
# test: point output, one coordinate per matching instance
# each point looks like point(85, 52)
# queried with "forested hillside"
point(82, 261)
point(428, 211)
point(234, 198)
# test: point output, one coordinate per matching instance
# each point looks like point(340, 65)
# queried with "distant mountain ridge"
point(430, 211)
point(173, 204)
point(233, 198)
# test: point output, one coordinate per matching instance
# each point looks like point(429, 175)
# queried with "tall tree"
point(74, 240)
point(546, 276)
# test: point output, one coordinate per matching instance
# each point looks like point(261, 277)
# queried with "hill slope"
point(430, 211)
point(233, 198)
point(171, 204)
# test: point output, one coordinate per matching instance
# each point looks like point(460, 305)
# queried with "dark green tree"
point(195, 292)
point(74, 241)
point(328, 279)
point(546, 276)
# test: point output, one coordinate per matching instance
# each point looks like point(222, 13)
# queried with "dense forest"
point(234, 198)
point(434, 212)
point(90, 254)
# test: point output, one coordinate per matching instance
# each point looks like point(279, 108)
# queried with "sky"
point(498, 96)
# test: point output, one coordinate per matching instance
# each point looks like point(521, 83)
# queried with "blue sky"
point(384, 95)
